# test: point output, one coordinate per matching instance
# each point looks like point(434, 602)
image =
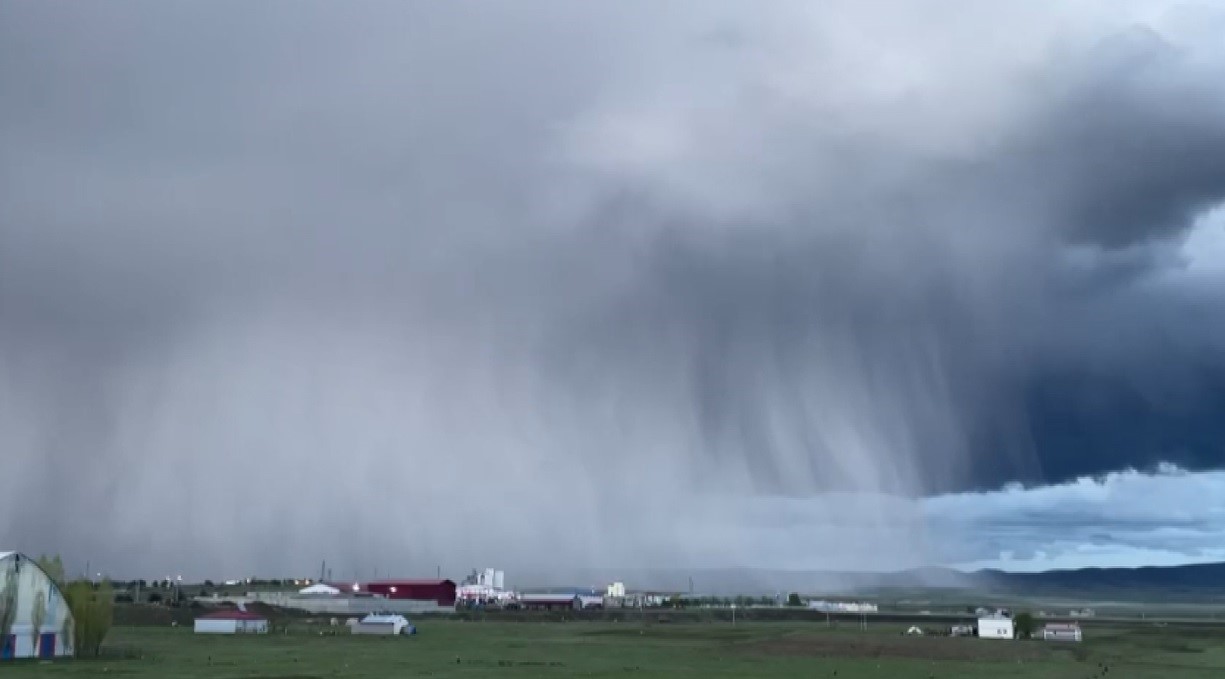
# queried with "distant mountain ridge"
point(1191, 580)
point(1208, 577)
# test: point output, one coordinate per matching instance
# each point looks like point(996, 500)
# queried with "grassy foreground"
point(446, 648)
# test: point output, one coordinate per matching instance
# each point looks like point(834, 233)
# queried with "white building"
point(1062, 631)
point(385, 624)
point(591, 601)
point(319, 589)
point(35, 620)
point(995, 627)
point(616, 590)
point(231, 622)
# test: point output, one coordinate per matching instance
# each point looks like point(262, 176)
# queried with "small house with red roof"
point(231, 621)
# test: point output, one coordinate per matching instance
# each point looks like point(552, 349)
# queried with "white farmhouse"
point(995, 627)
point(231, 622)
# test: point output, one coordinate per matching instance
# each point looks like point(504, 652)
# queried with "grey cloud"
point(1133, 144)
point(643, 257)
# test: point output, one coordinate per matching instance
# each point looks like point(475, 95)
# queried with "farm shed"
point(231, 622)
point(1061, 631)
point(35, 621)
point(384, 624)
point(441, 592)
point(995, 627)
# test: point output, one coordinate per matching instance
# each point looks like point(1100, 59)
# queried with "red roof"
point(234, 614)
point(410, 582)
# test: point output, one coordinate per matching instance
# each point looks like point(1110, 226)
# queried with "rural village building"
point(231, 622)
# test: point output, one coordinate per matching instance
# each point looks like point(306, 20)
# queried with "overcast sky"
point(548, 285)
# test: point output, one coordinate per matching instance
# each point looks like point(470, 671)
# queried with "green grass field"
point(447, 648)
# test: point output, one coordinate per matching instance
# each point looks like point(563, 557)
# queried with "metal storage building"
point(995, 627)
point(35, 621)
point(231, 622)
point(440, 591)
point(1061, 631)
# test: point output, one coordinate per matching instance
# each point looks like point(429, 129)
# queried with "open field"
point(448, 648)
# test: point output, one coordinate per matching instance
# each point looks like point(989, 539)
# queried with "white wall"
point(254, 626)
point(210, 626)
point(989, 628)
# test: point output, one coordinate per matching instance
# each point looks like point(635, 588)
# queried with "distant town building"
point(616, 590)
point(995, 627)
point(231, 622)
point(441, 592)
point(319, 589)
point(1062, 631)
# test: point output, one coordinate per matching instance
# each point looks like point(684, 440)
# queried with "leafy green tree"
point(38, 615)
point(93, 611)
point(53, 566)
point(793, 599)
point(8, 601)
point(1024, 624)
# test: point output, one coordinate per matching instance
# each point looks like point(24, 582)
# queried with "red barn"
point(440, 591)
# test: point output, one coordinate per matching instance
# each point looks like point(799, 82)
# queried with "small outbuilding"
point(995, 627)
point(231, 622)
point(387, 624)
point(1062, 631)
point(441, 592)
point(35, 620)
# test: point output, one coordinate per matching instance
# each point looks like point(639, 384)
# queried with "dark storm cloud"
point(653, 258)
point(1132, 147)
